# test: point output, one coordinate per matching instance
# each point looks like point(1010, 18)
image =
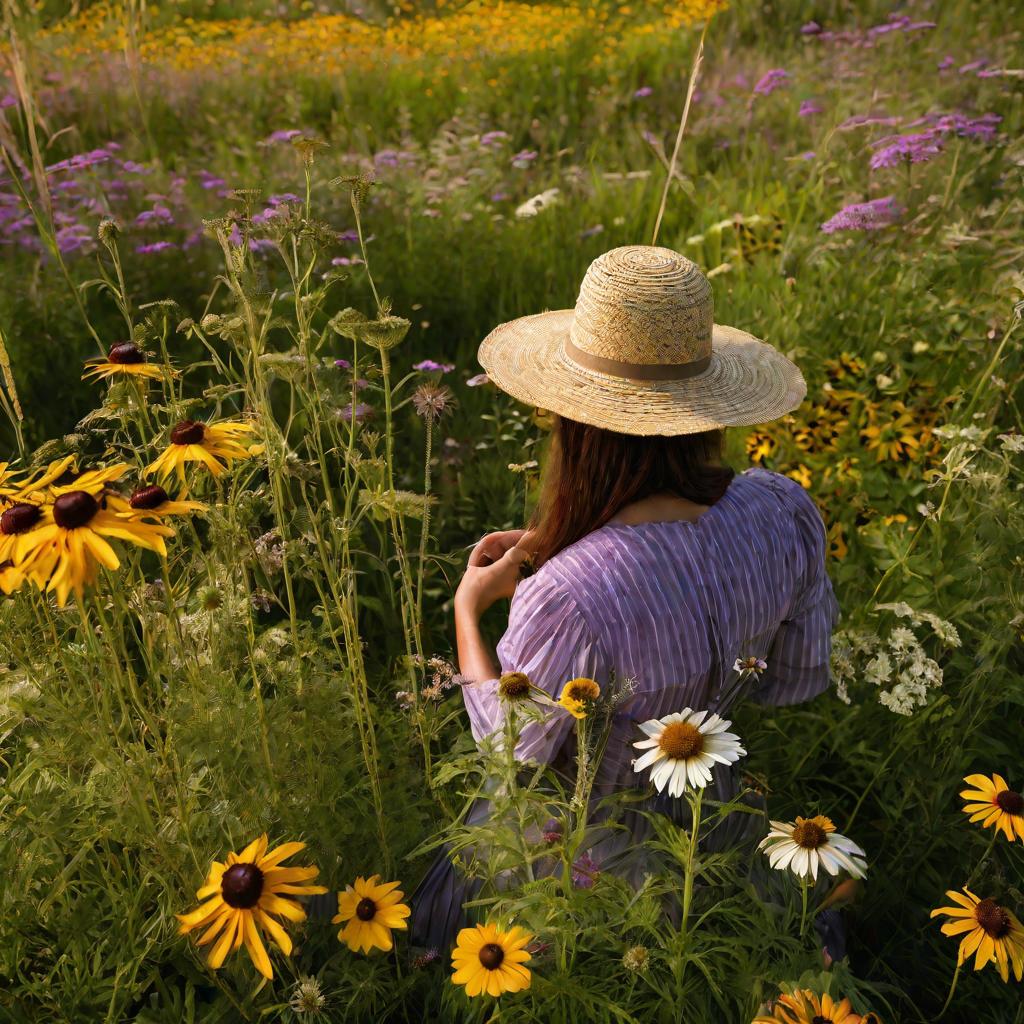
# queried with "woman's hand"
point(492, 571)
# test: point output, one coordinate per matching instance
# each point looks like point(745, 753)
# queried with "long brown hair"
point(592, 473)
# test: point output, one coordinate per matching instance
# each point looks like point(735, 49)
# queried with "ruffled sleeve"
point(799, 657)
point(548, 640)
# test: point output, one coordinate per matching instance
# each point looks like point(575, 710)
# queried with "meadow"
point(248, 253)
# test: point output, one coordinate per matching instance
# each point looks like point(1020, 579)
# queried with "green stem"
point(949, 996)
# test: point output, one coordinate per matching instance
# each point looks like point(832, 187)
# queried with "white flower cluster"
point(533, 205)
point(896, 664)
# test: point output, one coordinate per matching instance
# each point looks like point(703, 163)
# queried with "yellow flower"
point(802, 475)
point(61, 544)
point(154, 502)
point(123, 360)
point(205, 443)
point(488, 961)
point(578, 696)
point(990, 932)
point(991, 800)
point(241, 896)
point(370, 910)
point(760, 447)
point(897, 440)
point(514, 686)
point(807, 1007)
point(837, 546)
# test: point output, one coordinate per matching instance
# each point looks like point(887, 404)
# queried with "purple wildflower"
point(283, 135)
point(498, 197)
point(812, 28)
point(524, 158)
point(362, 411)
point(643, 92)
point(585, 872)
point(974, 65)
point(283, 197)
point(946, 63)
point(490, 138)
point(429, 366)
point(132, 167)
point(869, 216)
point(808, 154)
point(808, 108)
point(346, 261)
point(158, 215)
point(478, 380)
point(552, 831)
point(918, 148)
point(342, 364)
point(152, 247)
point(770, 81)
point(863, 120)
point(210, 181)
point(386, 158)
point(8, 101)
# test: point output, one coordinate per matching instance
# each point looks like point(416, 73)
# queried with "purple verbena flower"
point(342, 364)
point(643, 92)
point(945, 63)
point(869, 216)
point(158, 215)
point(585, 872)
point(430, 366)
point(524, 158)
point(812, 28)
point(808, 108)
point(918, 148)
point(283, 135)
point(490, 138)
point(152, 247)
point(770, 81)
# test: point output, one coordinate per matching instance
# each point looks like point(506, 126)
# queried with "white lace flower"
point(682, 748)
point(806, 844)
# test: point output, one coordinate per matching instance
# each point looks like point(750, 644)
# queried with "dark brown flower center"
point(818, 1019)
point(188, 432)
point(126, 352)
point(148, 497)
point(1007, 800)
point(19, 518)
point(74, 509)
point(809, 834)
point(366, 909)
point(513, 685)
point(583, 690)
point(241, 886)
point(681, 740)
point(993, 919)
point(491, 956)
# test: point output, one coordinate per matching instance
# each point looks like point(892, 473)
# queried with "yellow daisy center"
point(241, 886)
point(148, 497)
point(74, 509)
point(809, 834)
point(188, 432)
point(992, 918)
point(366, 909)
point(19, 518)
point(126, 353)
point(491, 956)
point(1007, 800)
point(681, 740)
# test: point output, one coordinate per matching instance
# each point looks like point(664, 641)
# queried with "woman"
point(655, 563)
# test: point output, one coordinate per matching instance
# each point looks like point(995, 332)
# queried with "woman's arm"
point(491, 574)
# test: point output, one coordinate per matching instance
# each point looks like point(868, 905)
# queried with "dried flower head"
point(307, 997)
point(636, 959)
point(432, 401)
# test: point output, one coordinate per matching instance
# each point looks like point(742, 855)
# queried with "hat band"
point(636, 371)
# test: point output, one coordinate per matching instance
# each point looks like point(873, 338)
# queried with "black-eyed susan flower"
point(488, 961)
point(990, 801)
point(682, 748)
point(991, 934)
point(807, 844)
point(63, 551)
point(214, 445)
point(514, 687)
point(123, 359)
point(578, 696)
point(370, 910)
point(153, 501)
point(806, 1007)
point(244, 896)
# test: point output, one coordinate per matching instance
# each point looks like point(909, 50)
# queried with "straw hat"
point(641, 353)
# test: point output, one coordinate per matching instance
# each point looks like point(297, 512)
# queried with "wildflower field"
point(248, 252)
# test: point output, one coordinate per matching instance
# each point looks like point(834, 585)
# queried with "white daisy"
point(806, 843)
point(683, 747)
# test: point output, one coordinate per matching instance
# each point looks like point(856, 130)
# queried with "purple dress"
point(671, 605)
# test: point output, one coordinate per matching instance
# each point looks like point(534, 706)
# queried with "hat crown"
point(644, 305)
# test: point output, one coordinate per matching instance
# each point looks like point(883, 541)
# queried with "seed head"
point(432, 401)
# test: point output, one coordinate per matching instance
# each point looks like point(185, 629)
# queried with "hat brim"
point(747, 381)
